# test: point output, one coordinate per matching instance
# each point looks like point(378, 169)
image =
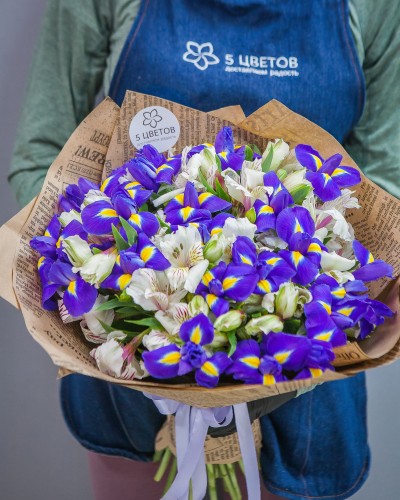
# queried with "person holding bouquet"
point(333, 62)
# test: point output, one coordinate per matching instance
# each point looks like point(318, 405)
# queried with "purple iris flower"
point(371, 269)
point(192, 206)
point(327, 177)
point(272, 270)
point(224, 282)
point(75, 194)
point(49, 299)
point(280, 198)
point(230, 156)
point(78, 295)
point(165, 168)
point(375, 314)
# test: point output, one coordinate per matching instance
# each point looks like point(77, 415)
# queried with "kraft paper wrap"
point(100, 144)
point(222, 450)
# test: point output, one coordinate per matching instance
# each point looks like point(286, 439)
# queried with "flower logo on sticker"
point(151, 118)
point(201, 55)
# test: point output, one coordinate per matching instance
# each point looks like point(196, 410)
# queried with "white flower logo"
point(151, 118)
point(201, 55)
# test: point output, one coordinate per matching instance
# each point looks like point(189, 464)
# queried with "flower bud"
point(286, 300)
point(251, 215)
point(220, 340)
point(280, 152)
point(77, 249)
point(97, 268)
point(282, 174)
point(294, 179)
point(264, 324)
point(214, 248)
point(229, 321)
point(197, 306)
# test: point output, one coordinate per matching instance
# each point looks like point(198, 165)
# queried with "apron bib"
point(213, 53)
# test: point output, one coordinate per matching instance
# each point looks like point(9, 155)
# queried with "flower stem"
point(212, 486)
point(232, 475)
point(227, 482)
point(171, 475)
point(157, 456)
point(163, 465)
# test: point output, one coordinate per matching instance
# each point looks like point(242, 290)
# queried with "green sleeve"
point(66, 75)
point(375, 141)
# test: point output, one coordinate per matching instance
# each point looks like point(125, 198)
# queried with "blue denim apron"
point(217, 53)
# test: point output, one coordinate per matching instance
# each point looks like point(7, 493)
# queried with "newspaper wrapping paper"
point(102, 140)
point(218, 450)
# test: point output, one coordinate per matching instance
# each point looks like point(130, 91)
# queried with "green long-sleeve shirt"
point(78, 49)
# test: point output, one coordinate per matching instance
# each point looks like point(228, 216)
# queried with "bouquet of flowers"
point(215, 265)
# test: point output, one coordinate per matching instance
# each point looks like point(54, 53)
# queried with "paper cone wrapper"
point(100, 144)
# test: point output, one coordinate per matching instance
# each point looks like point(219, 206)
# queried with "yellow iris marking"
point(179, 198)
point(325, 336)
point(105, 184)
point(40, 262)
point(327, 179)
point(186, 212)
point(58, 244)
point(266, 209)
point(108, 212)
point(118, 260)
point(317, 161)
point(47, 233)
point(273, 261)
point(211, 299)
point(210, 369)
point(340, 292)
point(370, 259)
point(314, 247)
point(123, 281)
point(296, 257)
point(207, 144)
point(315, 372)
point(196, 335)
point(216, 230)
point(133, 184)
point(135, 218)
point(264, 285)
point(297, 227)
point(251, 361)
point(146, 253)
point(282, 357)
point(162, 167)
point(203, 197)
point(229, 282)
point(72, 288)
point(172, 358)
point(346, 311)
point(326, 306)
point(268, 379)
point(207, 278)
point(224, 154)
point(245, 260)
point(338, 171)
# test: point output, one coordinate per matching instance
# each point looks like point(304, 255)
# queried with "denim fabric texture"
point(303, 54)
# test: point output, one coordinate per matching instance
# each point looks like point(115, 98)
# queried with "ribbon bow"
point(191, 426)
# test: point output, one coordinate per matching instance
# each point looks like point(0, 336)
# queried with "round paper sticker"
point(154, 125)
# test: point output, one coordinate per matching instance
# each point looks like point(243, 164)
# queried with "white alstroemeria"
point(65, 315)
point(152, 291)
point(91, 327)
point(247, 187)
point(94, 195)
point(67, 217)
point(344, 201)
point(340, 276)
point(286, 300)
point(204, 162)
point(184, 251)
point(110, 356)
point(333, 221)
point(265, 324)
point(296, 179)
point(290, 163)
point(167, 197)
point(253, 165)
point(173, 318)
point(304, 297)
point(268, 302)
point(156, 339)
point(77, 249)
point(97, 268)
point(270, 241)
point(238, 227)
point(280, 152)
point(333, 262)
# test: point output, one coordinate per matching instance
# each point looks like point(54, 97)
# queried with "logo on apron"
point(201, 55)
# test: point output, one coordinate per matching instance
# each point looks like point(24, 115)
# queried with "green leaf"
point(300, 193)
point(266, 163)
point(255, 148)
point(218, 162)
point(291, 325)
point(232, 341)
point(248, 153)
point(119, 240)
point(164, 224)
point(107, 328)
point(149, 322)
point(130, 231)
point(95, 250)
point(203, 180)
point(220, 191)
point(144, 208)
point(129, 310)
point(111, 304)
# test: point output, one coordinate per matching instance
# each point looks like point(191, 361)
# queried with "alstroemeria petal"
point(198, 330)
point(163, 362)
